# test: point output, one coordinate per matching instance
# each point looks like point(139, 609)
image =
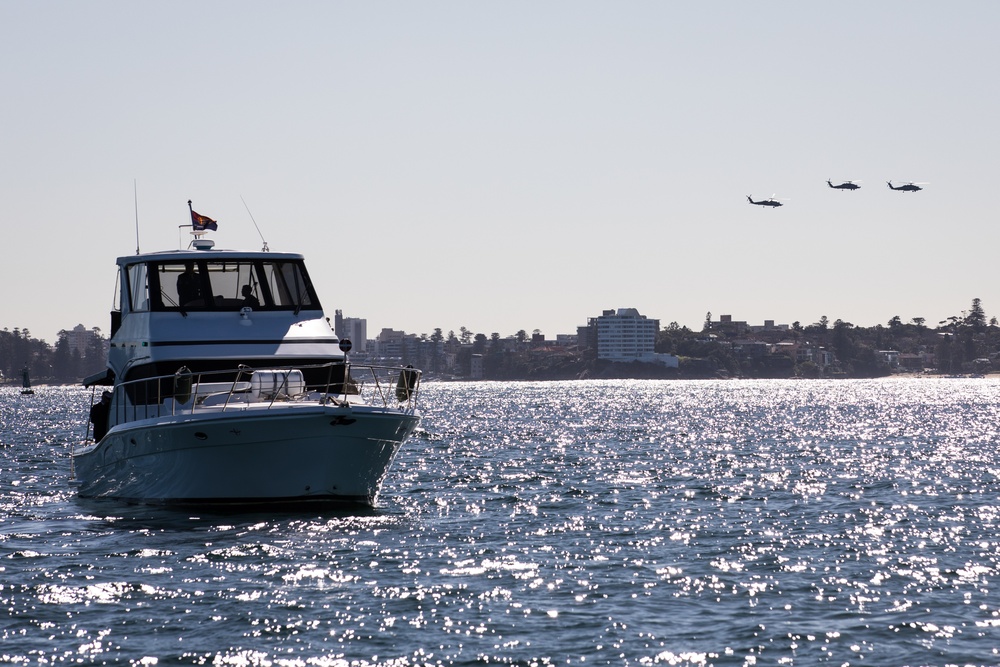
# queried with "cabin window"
point(231, 285)
point(138, 287)
point(119, 299)
point(288, 285)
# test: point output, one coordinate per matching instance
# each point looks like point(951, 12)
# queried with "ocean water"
point(569, 523)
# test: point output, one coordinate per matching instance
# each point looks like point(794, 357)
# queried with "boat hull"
point(299, 455)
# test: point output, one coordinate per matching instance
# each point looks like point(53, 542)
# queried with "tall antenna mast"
point(254, 224)
point(135, 194)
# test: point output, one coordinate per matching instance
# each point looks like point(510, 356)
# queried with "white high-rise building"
point(625, 335)
point(80, 339)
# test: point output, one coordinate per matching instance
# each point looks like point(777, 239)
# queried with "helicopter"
point(772, 202)
point(906, 187)
point(846, 185)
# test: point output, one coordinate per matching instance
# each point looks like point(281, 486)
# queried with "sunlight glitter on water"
point(689, 523)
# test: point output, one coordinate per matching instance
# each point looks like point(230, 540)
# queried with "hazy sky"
point(511, 165)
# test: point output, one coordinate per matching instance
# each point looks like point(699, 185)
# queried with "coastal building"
point(390, 343)
point(354, 329)
point(917, 361)
point(768, 326)
point(890, 357)
point(81, 339)
point(625, 335)
point(728, 325)
point(566, 340)
point(476, 371)
point(802, 352)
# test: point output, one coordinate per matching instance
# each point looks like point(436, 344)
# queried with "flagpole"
point(194, 231)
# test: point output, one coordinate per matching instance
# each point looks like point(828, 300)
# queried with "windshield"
point(226, 285)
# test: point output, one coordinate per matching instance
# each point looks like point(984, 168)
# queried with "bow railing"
point(245, 387)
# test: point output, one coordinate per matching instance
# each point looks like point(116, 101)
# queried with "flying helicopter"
point(772, 202)
point(906, 187)
point(846, 185)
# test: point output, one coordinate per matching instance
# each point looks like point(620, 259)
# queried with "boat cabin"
point(206, 310)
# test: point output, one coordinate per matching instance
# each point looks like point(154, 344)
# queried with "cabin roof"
point(188, 255)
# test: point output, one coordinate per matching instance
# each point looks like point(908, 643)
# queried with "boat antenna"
point(135, 195)
point(265, 249)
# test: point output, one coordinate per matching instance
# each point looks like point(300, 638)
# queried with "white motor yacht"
point(225, 385)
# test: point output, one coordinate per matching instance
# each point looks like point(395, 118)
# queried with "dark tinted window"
point(231, 285)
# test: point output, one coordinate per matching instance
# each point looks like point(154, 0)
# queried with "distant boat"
point(26, 383)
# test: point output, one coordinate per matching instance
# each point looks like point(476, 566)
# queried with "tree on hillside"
point(493, 362)
point(943, 354)
point(479, 344)
point(970, 351)
point(62, 359)
point(976, 317)
point(18, 351)
point(843, 342)
point(436, 338)
point(868, 363)
point(451, 344)
point(671, 338)
point(882, 340)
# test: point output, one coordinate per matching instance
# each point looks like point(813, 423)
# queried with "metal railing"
point(188, 392)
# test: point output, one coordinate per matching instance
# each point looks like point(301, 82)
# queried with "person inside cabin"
point(249, 300)
point(188, 288)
